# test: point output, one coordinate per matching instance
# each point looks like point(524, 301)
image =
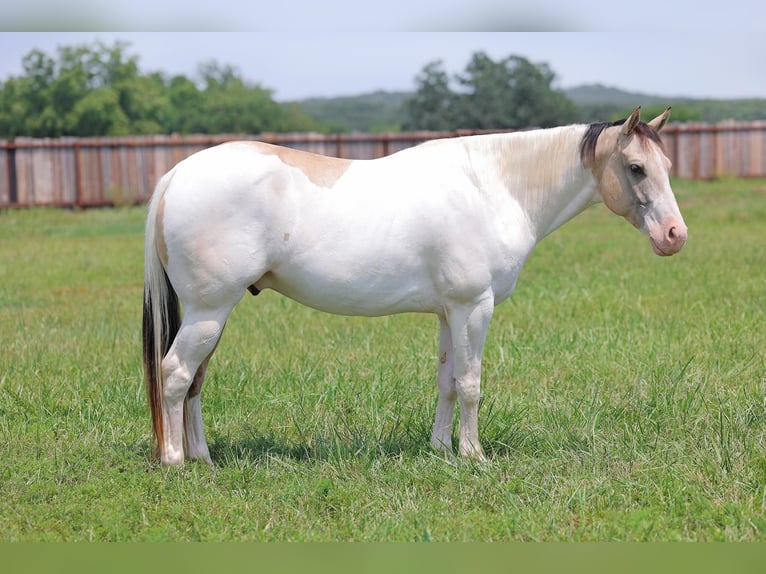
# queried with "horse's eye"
point(636, 169)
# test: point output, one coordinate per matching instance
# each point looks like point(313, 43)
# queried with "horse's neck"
point(542, 171)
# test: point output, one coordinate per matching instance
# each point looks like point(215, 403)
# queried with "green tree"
point(183, 113)
point(535, 101)
point(509, 93)
point(98, 112)
point(485, 101)
point(12, 108)
point(431, 106)
point(94, 88)
point(230, 105)
point(27, 107)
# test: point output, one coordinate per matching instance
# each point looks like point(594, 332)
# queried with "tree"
point(431, 107)
point(510, 93)
point(99, 91)
point(231, 105)
point(486, 99)
point(26, 102)
point(535, 101)
point(182, 114)
point(99, 112)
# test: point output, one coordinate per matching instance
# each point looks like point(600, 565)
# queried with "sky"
point(338, 47)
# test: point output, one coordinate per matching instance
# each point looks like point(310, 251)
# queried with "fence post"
point(77, 175)
point(10, 160)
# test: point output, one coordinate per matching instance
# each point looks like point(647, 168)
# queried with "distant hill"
point(598, 94)
point(597, 102)
point(383, 111)
point(370, 113)
point(601, 103)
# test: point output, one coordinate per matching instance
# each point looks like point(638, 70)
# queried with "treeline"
point(508, 93)
point(99, 90)
point(96, 90)
point(386, 111)
point(93, 90)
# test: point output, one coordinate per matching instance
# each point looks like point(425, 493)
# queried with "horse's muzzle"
point(671, 240)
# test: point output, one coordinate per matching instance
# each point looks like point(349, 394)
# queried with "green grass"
point(624, 397)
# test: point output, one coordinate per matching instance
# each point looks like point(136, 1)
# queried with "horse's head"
point(629, 162)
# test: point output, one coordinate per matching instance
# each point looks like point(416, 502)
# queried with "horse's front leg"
point(441, 438)
point(468, 327)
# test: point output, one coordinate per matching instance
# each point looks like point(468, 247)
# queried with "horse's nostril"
point(672, 233)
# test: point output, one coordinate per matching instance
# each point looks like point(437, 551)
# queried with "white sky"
point(307, 48)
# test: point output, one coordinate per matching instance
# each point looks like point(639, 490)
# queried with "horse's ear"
point(659, 122)
point(631, 123)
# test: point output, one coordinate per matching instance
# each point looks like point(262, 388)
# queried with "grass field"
point(624, 397)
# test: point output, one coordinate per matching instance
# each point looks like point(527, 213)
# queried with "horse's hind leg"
point(196, 340)
point(194, 431)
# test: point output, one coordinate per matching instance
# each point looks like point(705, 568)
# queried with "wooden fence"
point(86, 172)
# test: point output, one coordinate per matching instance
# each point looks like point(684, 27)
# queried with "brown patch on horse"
point(322, 170)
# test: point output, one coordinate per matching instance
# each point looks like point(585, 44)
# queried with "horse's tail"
point(162, 315)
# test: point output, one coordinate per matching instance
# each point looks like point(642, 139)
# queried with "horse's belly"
point(354, 291)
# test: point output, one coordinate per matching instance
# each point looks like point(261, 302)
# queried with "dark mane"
point(589, 140)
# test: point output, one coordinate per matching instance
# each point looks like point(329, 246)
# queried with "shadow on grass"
point(503, 435)
point(260, 447)
point(315, 449)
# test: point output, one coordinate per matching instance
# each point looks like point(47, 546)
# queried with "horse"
point(443, 228)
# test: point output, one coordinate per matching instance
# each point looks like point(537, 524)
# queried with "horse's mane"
point(589, 140)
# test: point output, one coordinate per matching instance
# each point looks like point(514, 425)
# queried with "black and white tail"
point(161, 318)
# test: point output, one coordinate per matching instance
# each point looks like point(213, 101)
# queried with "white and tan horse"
point(442, 228)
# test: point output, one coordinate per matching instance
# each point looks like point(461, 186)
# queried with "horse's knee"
point(469, 390)
point(447, 390)
point(176, 379)
point(185, 365)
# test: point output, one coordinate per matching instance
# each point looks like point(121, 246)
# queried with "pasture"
point(623, 397)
